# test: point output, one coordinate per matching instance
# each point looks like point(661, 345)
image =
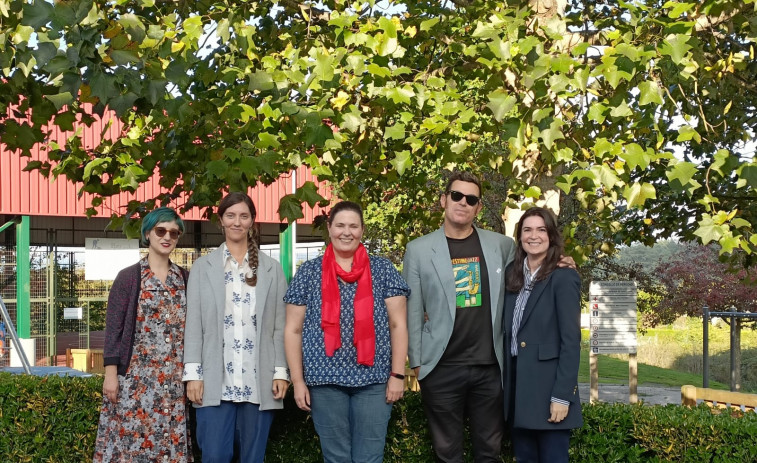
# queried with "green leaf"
point(687, 132)
point(45, 52)
point(260, 80)
point(683, 171)
point(501, 104)
point(605, 176)
point(402, 161)
point(708, 230)
point(124, 57)
point(395, 132)
point(290, 208)
point(554, 132)
point(459, 146)
point(596, 112)
point(352, 121)
point(676, 46)
point(308, 192)
point(133, 26)
point(649, 92)
point(621, 111)
point(638, 193)
point(747, 175)
point(193, 27)
point(429, 23)
point(217, 168)
point(400, 94)
point(635, 156)
point(267, 140)
point(60, 99)
point(37, 14)
point(65, 120)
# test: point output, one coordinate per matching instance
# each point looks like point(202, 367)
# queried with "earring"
point(250, 233)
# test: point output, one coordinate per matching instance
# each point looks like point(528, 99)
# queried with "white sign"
point(72, 313)
point(105, 257)
point(612, 317)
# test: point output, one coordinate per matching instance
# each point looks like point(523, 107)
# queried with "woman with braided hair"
point(234, 361)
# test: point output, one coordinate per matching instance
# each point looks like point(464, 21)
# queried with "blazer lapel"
point(532, 300)
point(263, 285)
point(217, 277)
point(442, 262)
point(493, 257)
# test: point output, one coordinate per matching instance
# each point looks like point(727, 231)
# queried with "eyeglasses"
point(456, 196)
point(161, 232)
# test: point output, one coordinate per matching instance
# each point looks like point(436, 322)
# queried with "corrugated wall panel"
point(29, 193)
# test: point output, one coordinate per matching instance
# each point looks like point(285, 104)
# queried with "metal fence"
point(66, 309)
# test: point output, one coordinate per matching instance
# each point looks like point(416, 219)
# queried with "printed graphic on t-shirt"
point(467, 281)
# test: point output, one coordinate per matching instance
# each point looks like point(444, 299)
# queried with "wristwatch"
point(397, 375)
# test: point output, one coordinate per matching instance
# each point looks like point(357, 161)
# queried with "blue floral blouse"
point(342, 369)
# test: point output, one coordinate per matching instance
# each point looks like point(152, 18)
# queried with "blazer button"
point(523, 344)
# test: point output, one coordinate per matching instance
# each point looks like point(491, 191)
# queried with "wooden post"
point(633, 378)
point(594, 378)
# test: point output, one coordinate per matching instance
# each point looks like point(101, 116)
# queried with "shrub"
point(55, 419)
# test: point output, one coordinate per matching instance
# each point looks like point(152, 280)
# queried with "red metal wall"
point(29, 193)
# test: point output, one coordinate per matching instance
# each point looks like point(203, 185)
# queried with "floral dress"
point(149, 422)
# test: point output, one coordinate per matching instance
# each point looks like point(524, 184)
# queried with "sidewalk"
point(649, 395)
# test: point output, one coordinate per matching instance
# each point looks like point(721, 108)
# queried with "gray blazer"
point(549, 352)
point(203, 335)
point(431, 307)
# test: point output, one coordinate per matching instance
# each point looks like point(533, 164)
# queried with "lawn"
point(672, 356)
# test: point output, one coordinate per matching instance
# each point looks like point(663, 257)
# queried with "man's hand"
point(567, 261)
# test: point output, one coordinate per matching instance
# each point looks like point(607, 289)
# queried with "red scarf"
point(365, 332)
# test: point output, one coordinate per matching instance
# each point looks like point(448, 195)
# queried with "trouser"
point(233, 424)
point(452, 392)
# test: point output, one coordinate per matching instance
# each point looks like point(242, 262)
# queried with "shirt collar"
point(227, 257)
point(527, 275)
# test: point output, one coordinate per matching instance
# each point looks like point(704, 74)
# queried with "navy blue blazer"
point(549, 351)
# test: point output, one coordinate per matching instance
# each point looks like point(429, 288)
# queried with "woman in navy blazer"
point(543, 340)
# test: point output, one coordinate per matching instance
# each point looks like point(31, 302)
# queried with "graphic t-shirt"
point(471, 342)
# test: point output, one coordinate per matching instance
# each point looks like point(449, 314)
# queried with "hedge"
point(55, 419)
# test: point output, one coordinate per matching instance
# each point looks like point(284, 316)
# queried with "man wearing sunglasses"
point(456, 277)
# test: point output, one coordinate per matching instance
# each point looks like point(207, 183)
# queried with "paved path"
point(650, 395)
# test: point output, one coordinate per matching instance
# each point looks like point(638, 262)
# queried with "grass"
point(672, 356)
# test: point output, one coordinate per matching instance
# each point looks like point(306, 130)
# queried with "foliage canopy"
point(642, 111)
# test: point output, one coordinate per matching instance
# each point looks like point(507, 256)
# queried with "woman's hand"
point(302, 396)
point(395, 388)
point(195, 390)
point(558, 412)
point(110, 387)
point(280, 387)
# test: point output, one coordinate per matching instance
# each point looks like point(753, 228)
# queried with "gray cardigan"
point(203, 336)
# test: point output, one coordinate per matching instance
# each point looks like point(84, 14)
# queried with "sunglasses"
point(456, 196)
point(161, 232)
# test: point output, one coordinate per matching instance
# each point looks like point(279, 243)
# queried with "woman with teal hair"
point(143, 416)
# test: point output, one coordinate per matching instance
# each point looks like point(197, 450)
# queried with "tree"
point(695, 278)
point(640, 111)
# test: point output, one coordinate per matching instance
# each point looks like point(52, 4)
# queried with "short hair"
point(345, 206)
point(156, 216)
point(463, 176)
point(233, 198)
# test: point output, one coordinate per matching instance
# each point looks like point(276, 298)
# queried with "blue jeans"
point(351, 422)
point(230, 425)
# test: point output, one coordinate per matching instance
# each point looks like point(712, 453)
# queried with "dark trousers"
point(452, 392)
point(541, 446)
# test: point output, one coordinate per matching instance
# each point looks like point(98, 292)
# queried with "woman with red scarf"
point(346, 341)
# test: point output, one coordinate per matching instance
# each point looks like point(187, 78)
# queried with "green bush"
point(55, 420)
